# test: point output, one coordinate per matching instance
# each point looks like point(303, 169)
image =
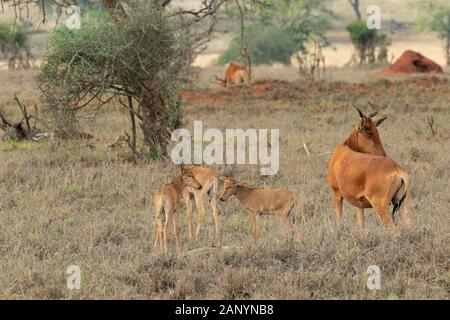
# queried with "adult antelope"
point(360, 172)
point(235, 74)
point(209, 181)
point(165, 204)
point(279, 202)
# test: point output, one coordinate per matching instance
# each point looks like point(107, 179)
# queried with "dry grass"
point(90, 207)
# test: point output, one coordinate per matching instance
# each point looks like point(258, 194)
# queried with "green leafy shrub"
point(268, 45)
point(14, 45)
point(366, 41)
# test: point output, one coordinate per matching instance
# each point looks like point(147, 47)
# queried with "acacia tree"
point(160, 112)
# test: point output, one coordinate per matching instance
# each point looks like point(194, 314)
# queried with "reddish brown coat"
point(360, 172)
point(236, 74)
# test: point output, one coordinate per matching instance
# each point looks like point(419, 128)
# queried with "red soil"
point(294, 92)
point(270, 90)
point(412, 62)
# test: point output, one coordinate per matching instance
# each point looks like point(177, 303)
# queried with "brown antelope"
point(167, 198)
point(207, 178)
point(235, 74)
point(360, 172)
point(280, 202)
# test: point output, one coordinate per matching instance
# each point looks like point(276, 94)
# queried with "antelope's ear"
point(243, 182)
point(222, 178)
point(379, 121)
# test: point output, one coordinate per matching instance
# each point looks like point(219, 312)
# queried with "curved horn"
point(361, 114)
point(373, 114)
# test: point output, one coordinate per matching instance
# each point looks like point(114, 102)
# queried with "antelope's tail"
point(157, 206)
point(293, 209)
point(214, 195)
point(401, 191)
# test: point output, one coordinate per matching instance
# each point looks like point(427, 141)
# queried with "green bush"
point(14, 44)
point(5, 37)
point(267, 45)
point(366, 41)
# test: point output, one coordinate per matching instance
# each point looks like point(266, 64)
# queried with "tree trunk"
point(133, 127)
point(448, 50)
point(245, 48)
point(355, 6)
point(153, 124)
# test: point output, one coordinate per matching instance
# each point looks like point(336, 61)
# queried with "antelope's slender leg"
point(155, 243)
point(338, 204)
point(159, 229)
point(187, 200)
point(289, 228)
point(166, 224)
point(215, 212)
point(158, 237)
point(161, 236)
point(287, 225)
point(255, 220)
point(382, 210)
point(404, 213)
point(199, 196)
point(360, 218)
point(175, 229)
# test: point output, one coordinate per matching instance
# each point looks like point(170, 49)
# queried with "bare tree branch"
point(23, 109)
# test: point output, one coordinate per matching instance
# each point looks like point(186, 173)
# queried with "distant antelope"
point(235, 74)
point(360, 172)
point(167, 198)
point(209, 181)
point(279, 202)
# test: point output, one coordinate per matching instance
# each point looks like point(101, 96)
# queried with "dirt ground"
point(78, 205)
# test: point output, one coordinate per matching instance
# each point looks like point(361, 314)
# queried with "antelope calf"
point(280, 202)
point(166, 199)
point(360, 172)
point(209, 181)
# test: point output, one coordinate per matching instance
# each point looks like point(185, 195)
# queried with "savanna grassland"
point(81, 203)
